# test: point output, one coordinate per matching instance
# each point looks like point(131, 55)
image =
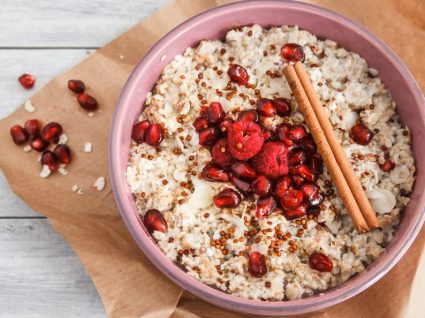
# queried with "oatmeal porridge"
point(228, 180)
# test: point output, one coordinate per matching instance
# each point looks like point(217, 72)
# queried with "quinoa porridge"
point(260, 217)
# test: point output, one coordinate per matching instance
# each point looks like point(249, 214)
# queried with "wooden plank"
point(40, 275)
point(77, 23)
point(42, 63)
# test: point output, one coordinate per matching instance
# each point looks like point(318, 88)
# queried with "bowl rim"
point(332, 296)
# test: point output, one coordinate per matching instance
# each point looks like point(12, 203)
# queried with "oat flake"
point(100, 184)
point(29, 107)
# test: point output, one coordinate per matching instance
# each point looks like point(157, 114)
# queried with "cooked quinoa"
point(211, 244)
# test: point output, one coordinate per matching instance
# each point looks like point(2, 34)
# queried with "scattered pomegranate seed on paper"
point(88, 147)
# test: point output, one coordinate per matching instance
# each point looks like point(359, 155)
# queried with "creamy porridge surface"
point(211, 243)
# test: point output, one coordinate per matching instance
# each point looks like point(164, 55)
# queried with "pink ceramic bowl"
point(326, 24)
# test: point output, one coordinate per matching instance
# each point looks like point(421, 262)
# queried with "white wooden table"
point(40, 276)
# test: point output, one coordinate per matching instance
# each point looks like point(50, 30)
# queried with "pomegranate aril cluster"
point(278, 166)
point(40, 138)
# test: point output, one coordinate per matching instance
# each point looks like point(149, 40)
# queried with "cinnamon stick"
point(325, 149)
point(352, 180)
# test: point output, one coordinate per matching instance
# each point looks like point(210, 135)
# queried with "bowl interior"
point(325, 24)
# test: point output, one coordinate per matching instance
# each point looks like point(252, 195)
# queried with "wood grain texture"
point(40, 276)
point(77, 23)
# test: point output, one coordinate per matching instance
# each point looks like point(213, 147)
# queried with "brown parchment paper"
point(128, 284)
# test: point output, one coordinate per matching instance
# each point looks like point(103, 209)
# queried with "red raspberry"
point(221, 155)
point(245, 139)
point(272, 161)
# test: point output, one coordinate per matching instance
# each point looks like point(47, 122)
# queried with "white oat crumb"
point(163, 57)
point(80, 192)
point(91, 114)
point(373, 72)
point(121, 57)
point(63, 139)
point(27, 148)
point(63, 171)
point(100, 184)
point(45, 171)
point(75, 188)
point(88, 147)
point(29, 107)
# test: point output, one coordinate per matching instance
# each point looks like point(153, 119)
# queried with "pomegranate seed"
point(138, 131)
point(208, 136)
point(308, 144)
point(282, 131)
point(269, 134)
point(266, 107)
point(51, 132)
point(291, 199)
point(27, 80)
point(283, 106)
point(87, 101)
point(261, 186)
point(241, 185)
point(154, 221)
point(215, 113)
point(265, 206)
point(316, 163)
point(63, 154)
point(313, 194)
point(292, 214)
point(225, 125)
point(48, 158)
point(153, 135)
point(314, 211)
point(228, 198)
point(238, 74)
point(298, 181)
point(200, 124)
point(19, 135)
point(220, 154)
point(388, 165)
point(361, 134)
point(212, 173)
point(320, 262)
point(257, 264)
point(305, 172)
point(39, 144)
point(282, 185)
point(243, 170)
point(204, 109)
point(76, 86)
point(248, 115)
point(289, 143)
point(32, 127)
point(297, 157)
point(292, 52)
point(297, 132)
